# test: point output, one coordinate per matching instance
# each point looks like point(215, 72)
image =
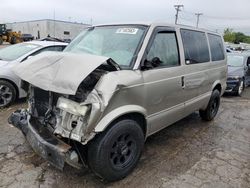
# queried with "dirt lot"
point(190, 153)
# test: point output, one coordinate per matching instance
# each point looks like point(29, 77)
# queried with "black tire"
point(1, 40)
point(13, 40)
point(212, 108)
point(241, 87)
point(116, 151)
point(7, 93)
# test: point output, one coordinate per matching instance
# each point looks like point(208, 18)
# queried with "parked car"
point(115, 85)
point(238, 72)
point(51, 39)
point(10, 88)
point(229, 50)
point(27, 37)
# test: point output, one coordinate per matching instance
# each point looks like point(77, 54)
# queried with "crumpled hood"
point(60, 72)
point(235, 71)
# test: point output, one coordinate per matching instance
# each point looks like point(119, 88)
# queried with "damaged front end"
point(41, 139)
point(56, 124)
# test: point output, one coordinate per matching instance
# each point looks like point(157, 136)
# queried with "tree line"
point(235, 37)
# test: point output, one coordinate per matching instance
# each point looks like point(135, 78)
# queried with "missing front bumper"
point(41, 139)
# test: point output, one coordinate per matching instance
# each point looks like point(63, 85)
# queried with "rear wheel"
point(7, 93)
point(115, 152)
point(212, 108)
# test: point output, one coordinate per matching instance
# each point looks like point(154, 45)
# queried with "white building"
point(53, 28)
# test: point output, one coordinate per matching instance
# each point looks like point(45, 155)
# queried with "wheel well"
point(15, 86)
point(217, 87)
point(136, 116)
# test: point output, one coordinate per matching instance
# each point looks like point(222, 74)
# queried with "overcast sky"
point(217, 14)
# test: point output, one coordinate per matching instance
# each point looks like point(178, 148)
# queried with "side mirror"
point(155, 62)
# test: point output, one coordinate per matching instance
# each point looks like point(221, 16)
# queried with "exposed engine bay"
point(69, 115)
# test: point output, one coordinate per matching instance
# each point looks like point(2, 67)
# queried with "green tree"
point(239, 37)
point(247, 40)
point(229, 35)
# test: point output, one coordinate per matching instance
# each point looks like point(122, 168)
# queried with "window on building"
point(66, 33)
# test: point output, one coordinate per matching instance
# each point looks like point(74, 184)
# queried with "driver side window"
point(165, 48)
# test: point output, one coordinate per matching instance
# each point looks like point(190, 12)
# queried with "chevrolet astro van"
point(95, 103)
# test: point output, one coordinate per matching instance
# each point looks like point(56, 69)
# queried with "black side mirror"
point(155, 62)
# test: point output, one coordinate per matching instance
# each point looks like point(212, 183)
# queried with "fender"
point(118, 112)
point(16, 83)
point(223, 87)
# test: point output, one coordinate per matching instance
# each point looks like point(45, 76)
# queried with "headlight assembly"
point(71, 107)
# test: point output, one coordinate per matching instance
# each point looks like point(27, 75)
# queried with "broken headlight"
point(71, 107)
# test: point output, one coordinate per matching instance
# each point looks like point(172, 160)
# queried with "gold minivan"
point(95, 103)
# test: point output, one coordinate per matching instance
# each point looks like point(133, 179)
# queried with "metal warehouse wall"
point(58, 29)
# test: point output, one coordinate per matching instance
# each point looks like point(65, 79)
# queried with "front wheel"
point(7, 93)
point(212, 108)
point(116, 151)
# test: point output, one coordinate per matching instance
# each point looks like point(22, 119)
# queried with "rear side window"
point(216, 47)
point(195, 46)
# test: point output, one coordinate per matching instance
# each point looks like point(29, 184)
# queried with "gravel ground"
point(189, 153)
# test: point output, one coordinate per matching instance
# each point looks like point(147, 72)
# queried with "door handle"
point(182, 82)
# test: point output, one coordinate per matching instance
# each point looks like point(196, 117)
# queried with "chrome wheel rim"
point(5, 95)
point(241, 87)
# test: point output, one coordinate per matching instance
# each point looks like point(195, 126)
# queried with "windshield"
point(117, 42)
point(235, 61)
point(15, 51)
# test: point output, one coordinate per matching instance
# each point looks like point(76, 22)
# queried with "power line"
point(178, 9)
point(218, 17)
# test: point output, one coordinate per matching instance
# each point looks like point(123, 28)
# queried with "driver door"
point(165, 95)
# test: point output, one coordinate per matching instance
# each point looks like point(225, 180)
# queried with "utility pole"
point(198, 18)
point(178, 9)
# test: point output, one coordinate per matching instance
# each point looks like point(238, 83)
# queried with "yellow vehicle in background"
point(6, 35)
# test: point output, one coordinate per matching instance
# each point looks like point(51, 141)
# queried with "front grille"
point(41, 101)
